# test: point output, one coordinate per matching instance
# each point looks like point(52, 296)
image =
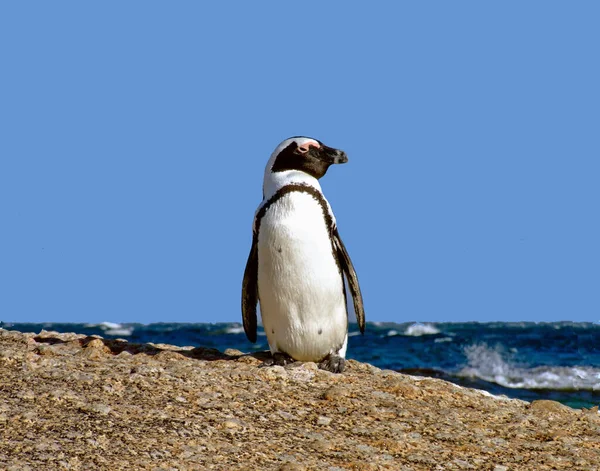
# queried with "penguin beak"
point(333, 156)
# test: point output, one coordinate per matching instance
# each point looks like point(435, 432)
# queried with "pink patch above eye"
point(307, 145)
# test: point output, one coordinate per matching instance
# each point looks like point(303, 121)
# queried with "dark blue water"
point(558, 361)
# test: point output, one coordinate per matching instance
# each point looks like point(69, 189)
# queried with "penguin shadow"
point(117, 346)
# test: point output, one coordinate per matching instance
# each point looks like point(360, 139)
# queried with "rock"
point(544, 406)
point(95, 350)
point(335, 393)
point(323, 420)
point(233, 424)
point(249, 359)
point(292, 467)
point(303, 372)
point(321, 445)
point(462, 464)
point(168, 355)
point(287, 415)
point(232, 352)
point(273, 373)
point(101, 409)
point(69, 401)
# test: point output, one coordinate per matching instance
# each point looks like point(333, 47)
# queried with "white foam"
point(112, 328)
point(488, 364)
point(234, 329)
point(418, 329)
point(124, 332)
point(109, 325)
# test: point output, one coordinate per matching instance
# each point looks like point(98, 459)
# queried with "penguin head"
point(300, 160)
point(306, 155)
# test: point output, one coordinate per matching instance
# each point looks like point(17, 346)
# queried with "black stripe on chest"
point(303, 188)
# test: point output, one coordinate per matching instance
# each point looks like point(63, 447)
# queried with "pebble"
point(26, 395)
point(231, 424)
point(101, 409)
point(322, 420)
point(232, 352)
point(462, 464)
point(335, 393)
point(292, 467)
point(321, 445)
point(273, 373)
point(287, 415)
point(367, 449)
point(301, 374)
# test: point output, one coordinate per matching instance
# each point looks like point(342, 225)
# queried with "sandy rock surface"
point(73, 402)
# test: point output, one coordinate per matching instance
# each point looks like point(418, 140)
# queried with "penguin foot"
point(279, 359)
point(282, 359)
point(333, 363)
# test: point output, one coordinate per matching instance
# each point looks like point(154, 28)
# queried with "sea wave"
point(489, 364)
point(234, 329)
point(418, 329)
point(114, 329)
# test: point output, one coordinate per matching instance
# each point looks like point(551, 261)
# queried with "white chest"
point(300, 285)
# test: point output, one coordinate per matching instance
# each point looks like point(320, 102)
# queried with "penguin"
point(298, 262)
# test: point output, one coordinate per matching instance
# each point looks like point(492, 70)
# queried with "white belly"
point(300, 287)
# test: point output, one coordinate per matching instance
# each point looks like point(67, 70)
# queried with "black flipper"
point(348, 270)
point(250, 292)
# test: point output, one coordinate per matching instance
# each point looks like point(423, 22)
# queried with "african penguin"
point(297, 261)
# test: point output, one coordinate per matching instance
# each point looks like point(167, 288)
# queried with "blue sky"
point(134, 137)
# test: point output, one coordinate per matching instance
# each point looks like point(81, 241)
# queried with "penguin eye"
point(302, 149)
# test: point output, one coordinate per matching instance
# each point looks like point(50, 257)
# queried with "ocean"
point(558, 361)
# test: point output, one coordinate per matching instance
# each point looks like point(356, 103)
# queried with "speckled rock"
point(70, 402)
